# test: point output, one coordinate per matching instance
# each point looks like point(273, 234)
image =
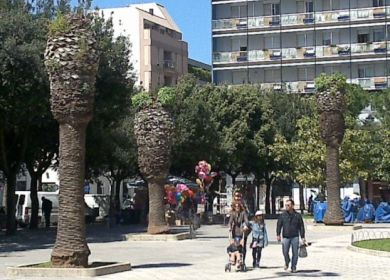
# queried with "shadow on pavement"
point(300, 273)
point(26, 239)
point(160, 265)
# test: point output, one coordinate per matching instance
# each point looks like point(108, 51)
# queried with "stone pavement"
point(205, 257)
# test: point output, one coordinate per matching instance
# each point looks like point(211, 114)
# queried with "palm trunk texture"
point(157, 223)
point(71, 249)
point(333, 215)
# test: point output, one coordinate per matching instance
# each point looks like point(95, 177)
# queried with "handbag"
point(302, 253)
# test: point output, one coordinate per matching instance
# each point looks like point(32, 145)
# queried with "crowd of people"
point(290, 229)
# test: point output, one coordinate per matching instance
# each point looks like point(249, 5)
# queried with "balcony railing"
point(370, 83)
point(340, 50)
point(169, 64)
point(326, 17)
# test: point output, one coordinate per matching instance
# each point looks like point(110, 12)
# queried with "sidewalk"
point(205, 257)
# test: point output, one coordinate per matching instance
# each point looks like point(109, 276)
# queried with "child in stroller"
point(235, 252)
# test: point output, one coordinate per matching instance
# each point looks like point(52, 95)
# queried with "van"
point(23, 206)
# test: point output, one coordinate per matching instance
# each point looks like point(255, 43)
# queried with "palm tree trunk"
point(333, 215)
point(69, 251)
point(157, 222)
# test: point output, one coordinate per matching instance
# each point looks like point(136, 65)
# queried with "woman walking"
point(259, 237)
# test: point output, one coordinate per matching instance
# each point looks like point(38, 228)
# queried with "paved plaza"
point(203, 257)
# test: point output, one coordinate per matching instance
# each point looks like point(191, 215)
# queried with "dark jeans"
point(256, 254)
point(47, 219)
point(294, 244)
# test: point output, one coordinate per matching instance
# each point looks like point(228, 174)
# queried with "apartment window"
point(272, 76)
point(379, 35)
point(275, 9)
point(329, 69)
point(327, 38)
point(302, 74)
point(272, 42)
point(327, 5)
point(309, 7)
point(305, 39)
point(363, 38)
point(239, 44)
point(239, 11)
point(365, 71)
point(378, 3)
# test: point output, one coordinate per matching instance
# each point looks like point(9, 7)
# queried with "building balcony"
point(169, 64)
point(370, 83)
point(302, 19)
point(303, 53)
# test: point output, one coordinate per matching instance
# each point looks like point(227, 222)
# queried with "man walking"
point(46, 209)
point(292, 224)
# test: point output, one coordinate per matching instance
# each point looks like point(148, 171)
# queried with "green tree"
point(23, 86)
point(195, 131)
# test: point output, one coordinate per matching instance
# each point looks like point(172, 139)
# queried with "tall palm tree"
point(153, 129)
point(331, 106)
point(71, 60)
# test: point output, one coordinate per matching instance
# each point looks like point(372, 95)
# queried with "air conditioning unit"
point(276, 53)
point(310, 85)
point(277, 87)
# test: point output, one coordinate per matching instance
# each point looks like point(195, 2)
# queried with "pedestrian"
point(259, 237)
point(238, 224)
point(292, 224)
point(46, 209)
point(310, 204)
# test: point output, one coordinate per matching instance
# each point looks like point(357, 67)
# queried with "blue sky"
point(192, 16)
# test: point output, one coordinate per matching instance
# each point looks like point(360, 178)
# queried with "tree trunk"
point(34, 200)
point(117, 191)
point(267, 196)
point(333, 215)
point(157, 222)
point(301, 199)
point(11, 204)
point(71, 249)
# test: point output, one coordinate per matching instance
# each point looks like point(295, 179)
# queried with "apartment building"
point(158, 53)
point(285, 44)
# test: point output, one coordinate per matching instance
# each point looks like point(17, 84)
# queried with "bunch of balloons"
point(178, 194)
point(203, 171)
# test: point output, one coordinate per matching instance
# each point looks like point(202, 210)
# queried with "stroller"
point(234, 247)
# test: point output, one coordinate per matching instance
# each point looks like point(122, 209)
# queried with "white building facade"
point(158, 53)
point(285, 44)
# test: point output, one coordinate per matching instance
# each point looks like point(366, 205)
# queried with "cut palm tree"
point(71, 60)
point(153, 128)
point(331, 106)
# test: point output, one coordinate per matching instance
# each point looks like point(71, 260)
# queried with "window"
point(239, 11)
point(327, 5)
point(327, 38)
point(309, 7)
point(272, 42)
point(362, 38)
point(378, 3)
point(379, 35)
point(305, 39)
point(272, 76)
point(275, 9)
point(365, 71)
